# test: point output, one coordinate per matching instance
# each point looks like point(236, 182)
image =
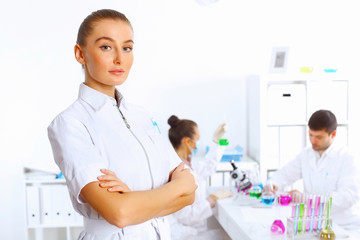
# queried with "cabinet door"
point(342, 135)
point(270, 153)
point(329, 95)
point(292, 142)
point(286, 104)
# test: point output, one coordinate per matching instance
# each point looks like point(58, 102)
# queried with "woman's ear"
point(185, 140)
point(79, 54)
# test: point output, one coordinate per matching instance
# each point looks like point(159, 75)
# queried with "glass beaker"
point(268, 198)
point(284, 198)
point(255, 191)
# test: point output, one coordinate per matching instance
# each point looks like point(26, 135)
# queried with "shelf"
point(280, 106)
point(286, 124)
point(54, 226)
point(42, 181)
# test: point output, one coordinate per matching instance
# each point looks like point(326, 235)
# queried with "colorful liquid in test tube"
point(312, 214)
point(296, 217)
point(317, 202)
point(309, 203)
point(321, 207)
point(305, 217)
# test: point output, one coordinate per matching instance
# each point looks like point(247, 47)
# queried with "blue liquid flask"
point(268, 199)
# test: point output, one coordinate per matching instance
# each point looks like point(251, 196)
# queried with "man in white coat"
point(326, 167)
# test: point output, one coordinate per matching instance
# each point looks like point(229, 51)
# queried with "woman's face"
point(194, 139)
point(107, 55)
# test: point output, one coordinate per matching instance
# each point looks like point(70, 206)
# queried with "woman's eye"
point(127, 49)
point(105, 47)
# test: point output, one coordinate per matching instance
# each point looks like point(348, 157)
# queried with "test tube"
point(306, 196)
point(301, 212)
point(326, 199)
point(309, 202)
point(296, 218)
point(317, 202)
point(321, 206)
point(312, 214)
point(328, 212)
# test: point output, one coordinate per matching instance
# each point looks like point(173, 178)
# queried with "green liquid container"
point(255, 194)
point(223, 142)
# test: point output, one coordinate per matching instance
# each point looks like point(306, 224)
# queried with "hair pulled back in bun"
point(173, 121)
point(180, 128)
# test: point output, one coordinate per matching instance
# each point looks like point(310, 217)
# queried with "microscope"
point(240, 178)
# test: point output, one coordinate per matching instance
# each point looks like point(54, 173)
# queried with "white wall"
point(190, 60)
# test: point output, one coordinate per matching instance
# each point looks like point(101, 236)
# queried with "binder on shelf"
point(79, 219)
point(69, 212)
point(57, 197)
point(46, 211)
point(32, 204)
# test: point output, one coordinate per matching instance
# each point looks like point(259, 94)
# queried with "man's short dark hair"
point(323, 119)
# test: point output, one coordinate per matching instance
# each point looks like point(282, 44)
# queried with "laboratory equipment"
point(255, 191)
point(268, 196)
point(235, 153)
point(327, 234)
point(240, 178)
point(278, 227)
point(223, 142)
point(284, 198)
point(313, 204)
point(310, 216)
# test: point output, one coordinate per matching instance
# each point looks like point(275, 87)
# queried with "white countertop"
point(253, 222)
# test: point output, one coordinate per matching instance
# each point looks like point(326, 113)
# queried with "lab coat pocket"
point(330, 182)
point(153, 135)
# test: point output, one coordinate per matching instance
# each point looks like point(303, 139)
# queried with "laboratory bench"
point(253, 222)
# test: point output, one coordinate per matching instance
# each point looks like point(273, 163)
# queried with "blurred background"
point(192, 59)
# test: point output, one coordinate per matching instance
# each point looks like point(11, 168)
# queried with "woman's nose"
point(118, 58)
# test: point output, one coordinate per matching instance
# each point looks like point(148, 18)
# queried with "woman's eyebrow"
point(105, 38)
point(112, 40)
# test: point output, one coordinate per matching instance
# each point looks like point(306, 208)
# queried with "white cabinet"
point(278, 109)
point(49, 209)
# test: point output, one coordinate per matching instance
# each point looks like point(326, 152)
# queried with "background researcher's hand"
point(211, 201)
point(186, 179)
point(112, 182)
point(219, 132)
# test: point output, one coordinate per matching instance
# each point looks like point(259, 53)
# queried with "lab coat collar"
point(97, 99)
point(322, 161)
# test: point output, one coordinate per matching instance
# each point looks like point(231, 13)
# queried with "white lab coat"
point(192, 218)
point(335, 172)
point(90, 135)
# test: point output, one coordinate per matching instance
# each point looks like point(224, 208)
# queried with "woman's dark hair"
point(86, 26)
point(323, 119)
point(180, 128)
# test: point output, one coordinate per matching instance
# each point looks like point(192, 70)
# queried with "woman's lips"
point(117, 72)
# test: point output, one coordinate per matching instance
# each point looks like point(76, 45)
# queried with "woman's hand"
point(211, 201)
point(112, 182)
point(186, 179)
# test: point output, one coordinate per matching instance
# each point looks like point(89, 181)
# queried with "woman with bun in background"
point(191, 220)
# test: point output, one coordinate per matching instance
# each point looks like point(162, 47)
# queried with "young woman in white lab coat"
point(100, 130)
point(183, 135)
